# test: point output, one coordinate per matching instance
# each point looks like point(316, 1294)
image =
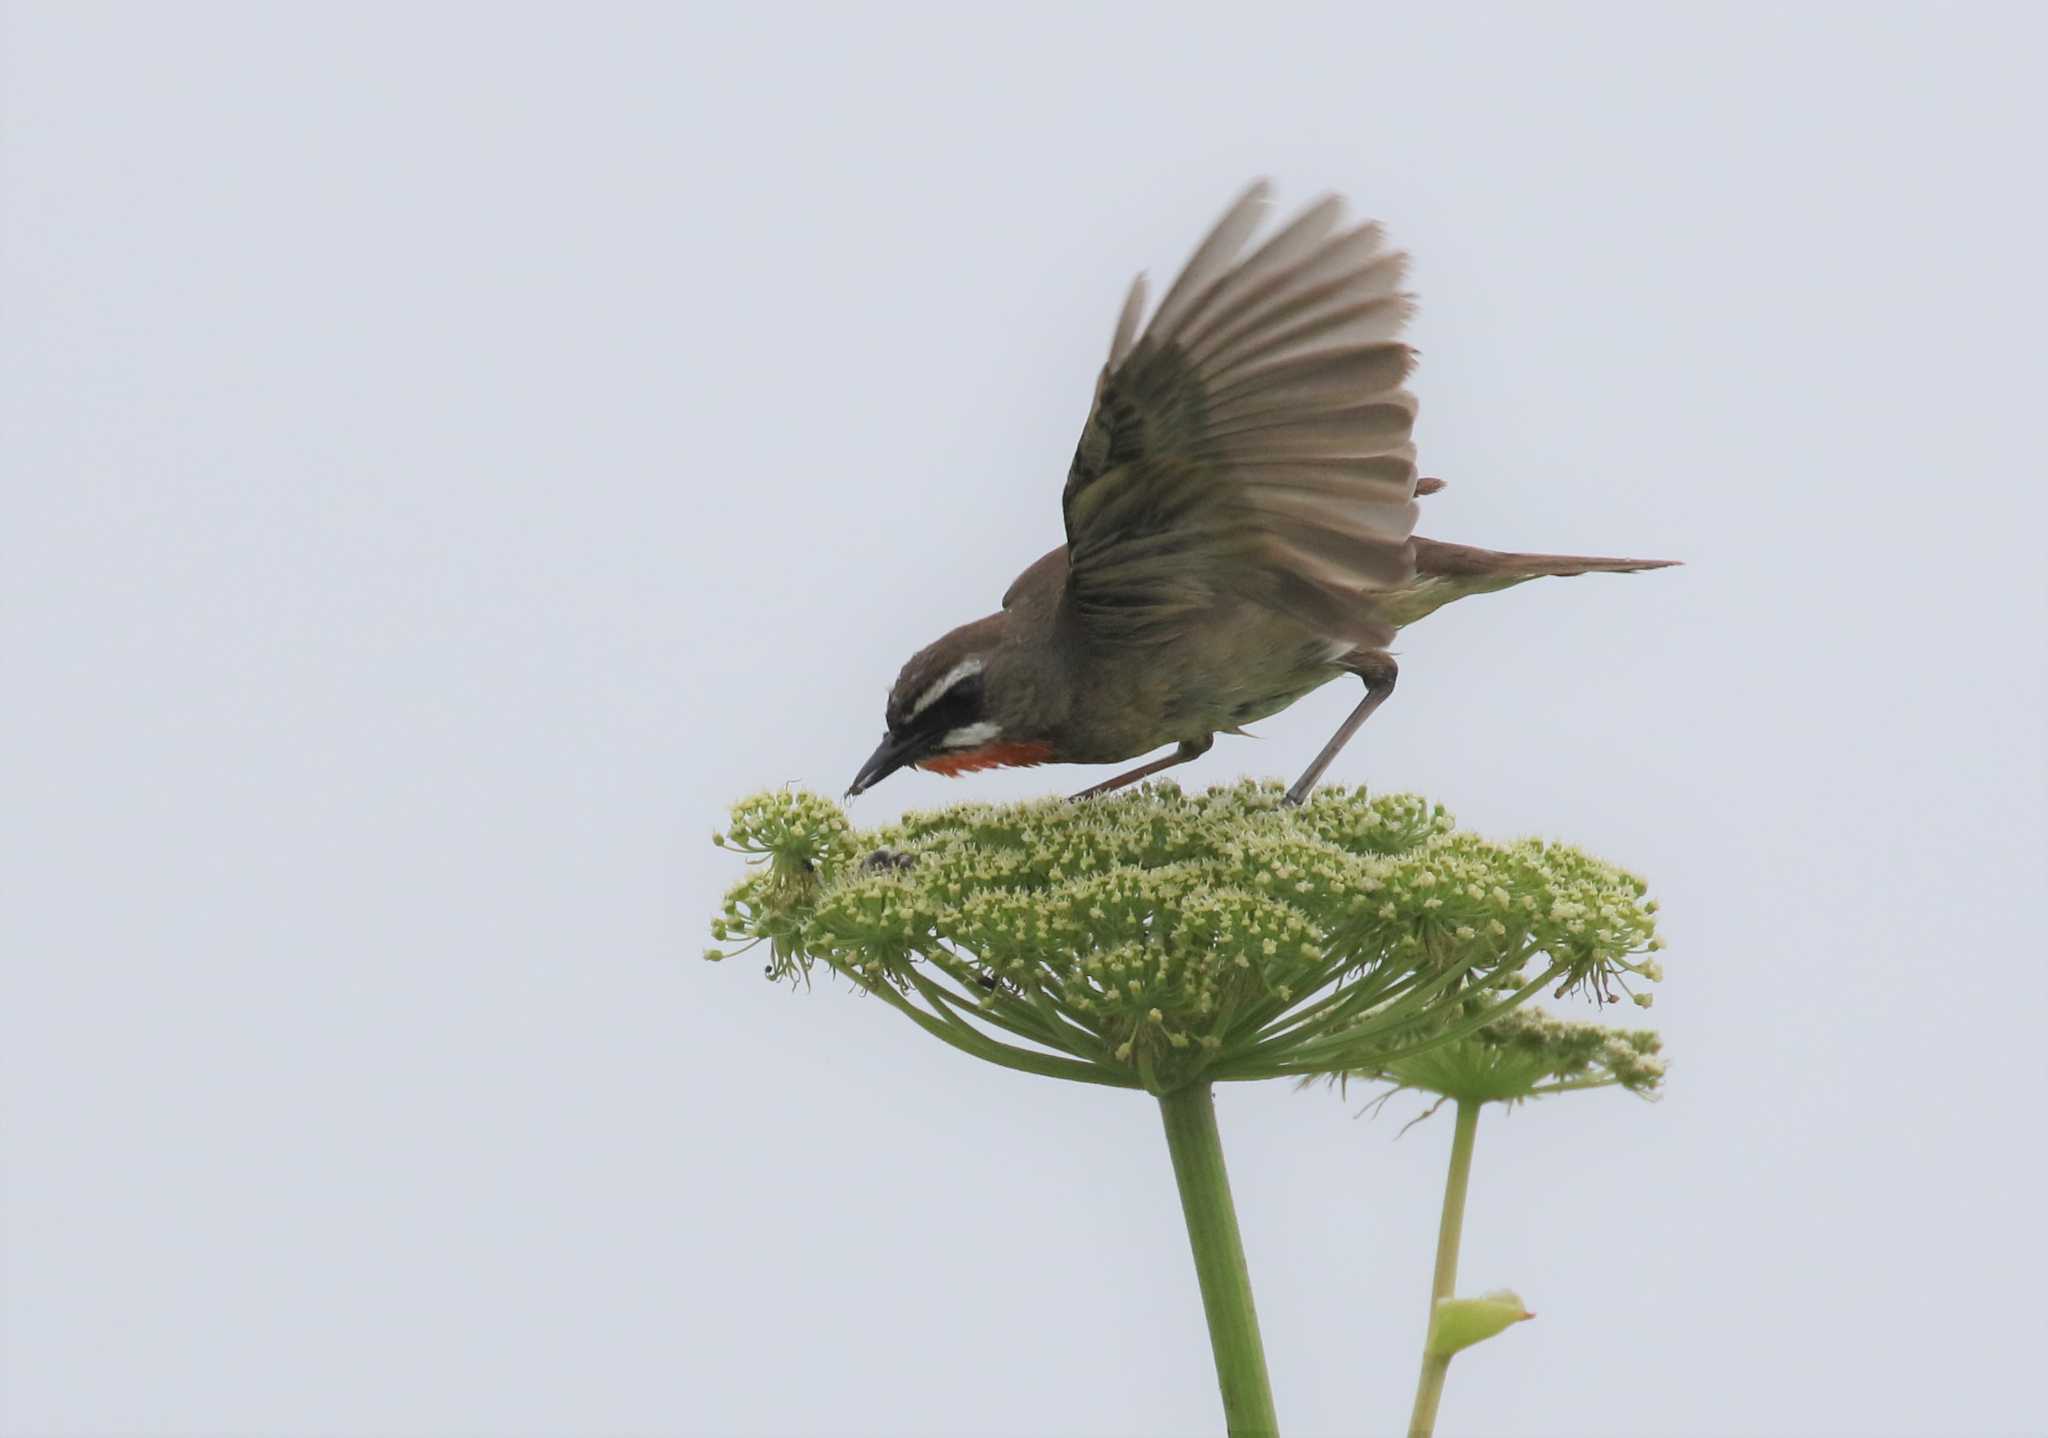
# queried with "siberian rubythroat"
point(1240, 517)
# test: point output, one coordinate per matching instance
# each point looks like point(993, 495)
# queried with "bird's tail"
point(1444, 572)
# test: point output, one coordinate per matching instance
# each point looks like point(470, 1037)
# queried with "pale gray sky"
point(451, 453)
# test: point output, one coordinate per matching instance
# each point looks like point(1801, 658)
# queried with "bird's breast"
point(1002, 754)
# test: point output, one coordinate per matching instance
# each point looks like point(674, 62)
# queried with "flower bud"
point(1461, 1322)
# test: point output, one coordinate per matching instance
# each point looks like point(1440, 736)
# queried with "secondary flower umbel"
point(1530, 1054)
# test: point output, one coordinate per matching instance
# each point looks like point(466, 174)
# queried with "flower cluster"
point(1154, 938)
point(796, 841)
point(1527, 1054)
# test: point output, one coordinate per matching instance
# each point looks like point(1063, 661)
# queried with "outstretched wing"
point(1253, 440)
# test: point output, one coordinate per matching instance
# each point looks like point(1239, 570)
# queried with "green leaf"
point(1462, 1322)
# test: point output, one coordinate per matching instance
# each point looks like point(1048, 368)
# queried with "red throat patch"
point(1001, 755)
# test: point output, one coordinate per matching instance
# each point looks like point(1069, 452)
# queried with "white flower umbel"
point(1157, 939)
point(1165, 942)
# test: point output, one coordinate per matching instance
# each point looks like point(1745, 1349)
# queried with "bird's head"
point(945, 711)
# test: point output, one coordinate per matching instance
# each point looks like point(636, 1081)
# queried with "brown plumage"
point(1240, 513)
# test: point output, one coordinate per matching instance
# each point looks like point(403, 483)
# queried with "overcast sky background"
point(450, 454)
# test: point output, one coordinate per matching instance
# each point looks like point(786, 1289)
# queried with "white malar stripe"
point(965, 669)
point(971, 736)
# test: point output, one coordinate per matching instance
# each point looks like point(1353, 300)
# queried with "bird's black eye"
point(959, 705)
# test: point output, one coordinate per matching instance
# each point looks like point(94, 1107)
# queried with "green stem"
point(954, 1006)
point(1331, 1008)
point(1191, 1138)
point(1393, 1008)
point(968, 1039)
point(1320, 1056)
point(1430, 1391)
point(1473, 1022)
point(1260, 1012)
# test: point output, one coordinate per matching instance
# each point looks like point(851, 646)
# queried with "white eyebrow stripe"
point(965, 669)
point(970, 735)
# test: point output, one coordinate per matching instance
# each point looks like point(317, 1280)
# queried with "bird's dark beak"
point(889, 756)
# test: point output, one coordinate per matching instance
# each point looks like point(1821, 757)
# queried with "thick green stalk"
point(1430, 1391)
point(1191, 1138)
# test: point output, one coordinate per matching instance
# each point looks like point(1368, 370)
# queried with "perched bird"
point(1239, 513)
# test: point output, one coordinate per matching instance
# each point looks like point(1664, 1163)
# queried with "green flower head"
point(1529, 1054)
point(1156, 938)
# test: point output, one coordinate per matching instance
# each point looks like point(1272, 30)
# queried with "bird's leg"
point(1186, 750)
point(1378, 671)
